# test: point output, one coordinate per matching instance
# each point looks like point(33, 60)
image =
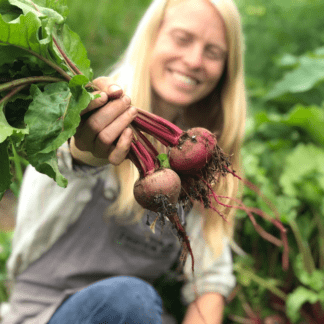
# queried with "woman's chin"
point(179, 100)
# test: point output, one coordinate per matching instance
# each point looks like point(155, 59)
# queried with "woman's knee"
point(130, 296)
point(131, 287)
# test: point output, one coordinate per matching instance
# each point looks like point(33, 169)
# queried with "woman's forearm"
point(211, 307)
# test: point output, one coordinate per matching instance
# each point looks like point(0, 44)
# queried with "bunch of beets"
point(186, 174)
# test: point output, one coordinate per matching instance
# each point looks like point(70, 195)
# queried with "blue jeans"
point(116, 300)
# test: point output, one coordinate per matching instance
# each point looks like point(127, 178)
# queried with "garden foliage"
point(38, 47)
point(283, 154)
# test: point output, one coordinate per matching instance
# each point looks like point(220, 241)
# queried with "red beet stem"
point(257, 191)
point(163, 130)
point(145, 142)
point(144, 161)
point(147, 157)
point(134, 158)
point(137, 158)
point(261, 231)
point(157, 120)
point(276, 222)
point(161, 134)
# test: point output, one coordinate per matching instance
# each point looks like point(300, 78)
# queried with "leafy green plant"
point(304, 84)
point(45, 72)
point(284, 155)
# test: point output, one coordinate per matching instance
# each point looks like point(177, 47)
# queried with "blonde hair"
point(132, 74)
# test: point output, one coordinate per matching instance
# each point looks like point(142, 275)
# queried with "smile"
point(184, 78)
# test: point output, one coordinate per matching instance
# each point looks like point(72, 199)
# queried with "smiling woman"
point(89, 243)
point(189, 54)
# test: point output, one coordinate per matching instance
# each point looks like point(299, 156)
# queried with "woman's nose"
point(194, 57)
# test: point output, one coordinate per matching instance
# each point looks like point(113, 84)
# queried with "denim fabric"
point(116, 300)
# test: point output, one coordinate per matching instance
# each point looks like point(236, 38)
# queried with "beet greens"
point(44, 80)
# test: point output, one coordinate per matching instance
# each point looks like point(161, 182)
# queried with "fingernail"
point(133, 111)
point(127, 100)
point(114, 88)
point(103, 96)
point(129, 132)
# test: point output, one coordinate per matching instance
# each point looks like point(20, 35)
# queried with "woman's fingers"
point(99, 120)
point(109, 134)
point(105, 84)
point(119, 153)
point(96, 103)
point(103, 130)
point(99, 132)
point(111, 92)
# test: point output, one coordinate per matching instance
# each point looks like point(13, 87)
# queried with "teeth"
point(184, 78)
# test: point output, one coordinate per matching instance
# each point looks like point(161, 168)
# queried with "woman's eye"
point(181, 39)
point(215, 55)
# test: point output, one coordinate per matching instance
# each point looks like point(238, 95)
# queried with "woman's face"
point(189, 54)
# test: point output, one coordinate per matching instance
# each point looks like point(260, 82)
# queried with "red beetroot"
point(194, 151)
point(158, 190)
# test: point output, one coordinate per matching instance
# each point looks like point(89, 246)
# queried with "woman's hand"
point(102, 122)
point(207, 309)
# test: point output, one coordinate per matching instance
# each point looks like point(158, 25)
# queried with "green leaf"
point(23, 33)
point(14, 62)
point(49, 8)
point(303, 162)
point(288, 60)
point(321, 298)
point(4, 168)
point(303, 78)
point(47, 164)
point(71, 44)
point(4, 6)
point(319, 51)
point(7, 130)
point(76, 84)
point(244, 279)
point(33, 35)
point(45, 116)
point(164, 160)
point(53, 116)
point(310, 119)
point(296, 299)
point(287, 208)
point(8, 12)
point(315, 279)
